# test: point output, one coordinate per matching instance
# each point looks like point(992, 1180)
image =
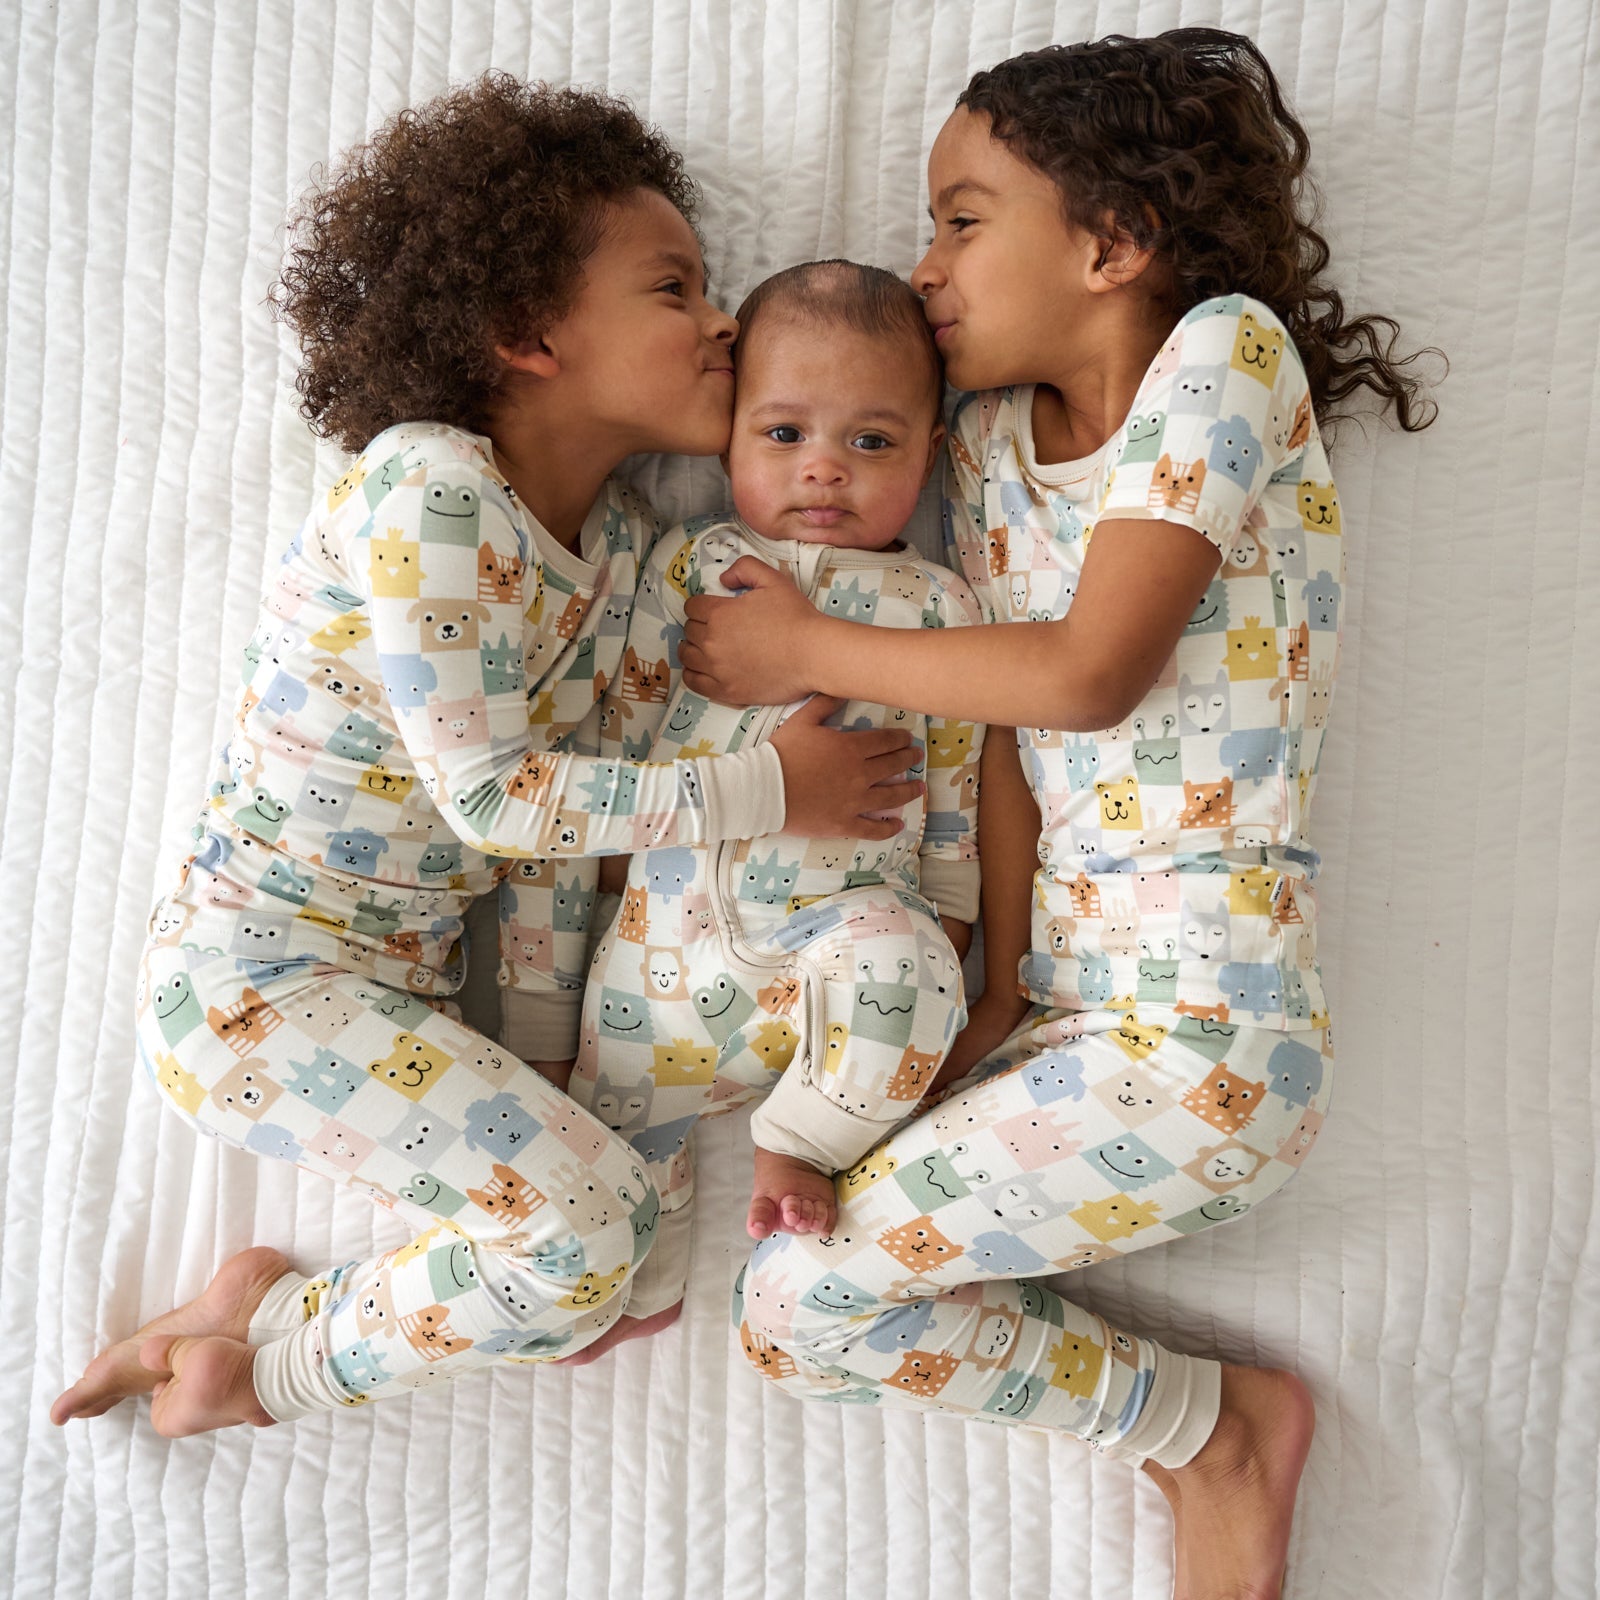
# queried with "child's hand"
point(991, 1020)
point(728, 652)
point(834, 782)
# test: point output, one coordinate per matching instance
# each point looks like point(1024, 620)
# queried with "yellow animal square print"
point(949, 743)
point(182, 1088)
point(1139, 1039)
point(412, 1066)
point(683, 1062)
point(833, 1053)
point(1250, 892)
point(874, 1166)
point(1252, 651)
point(1075, 1365)
point(395, 566)
point(594, 1290)
point(1119, 1217)
point(1319, 507)
point(1119, 803)
point(347, 485)
point(1258, 349)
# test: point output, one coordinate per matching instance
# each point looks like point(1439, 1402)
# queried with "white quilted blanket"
point(1433, 1274)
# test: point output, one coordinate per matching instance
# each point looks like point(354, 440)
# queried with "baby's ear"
point(935, 445)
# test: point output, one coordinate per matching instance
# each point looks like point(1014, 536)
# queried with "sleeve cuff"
point(541, 1024)
point(952, 886)
point(743, 794)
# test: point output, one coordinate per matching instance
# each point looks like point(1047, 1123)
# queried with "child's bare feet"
point(789, 1196)
point(620, 1331)
point(211, 1384)
point(224, 1309)
point(1237, 1495)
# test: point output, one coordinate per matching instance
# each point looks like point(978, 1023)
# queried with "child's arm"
point(470, 743)
point(1008, 838)
point(1141, 583)
point(547, 908)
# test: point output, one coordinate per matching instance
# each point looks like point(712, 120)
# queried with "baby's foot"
point(620, 1331)
point(225, 1308)
point(201, 1384)
point(789, 1196)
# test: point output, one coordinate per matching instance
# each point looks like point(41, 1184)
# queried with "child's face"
point(1005, 280)
point(834, 434)
point(646, 357)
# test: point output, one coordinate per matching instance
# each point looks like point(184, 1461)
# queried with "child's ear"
point(533, 356)
point(1116, 260)
point(935, 445)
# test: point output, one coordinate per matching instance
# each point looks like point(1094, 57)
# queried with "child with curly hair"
point(1122, 275)
point(499, 298)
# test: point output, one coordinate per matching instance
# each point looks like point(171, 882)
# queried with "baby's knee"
point(787, 1297)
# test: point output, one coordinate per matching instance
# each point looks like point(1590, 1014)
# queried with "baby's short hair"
point(848, 294)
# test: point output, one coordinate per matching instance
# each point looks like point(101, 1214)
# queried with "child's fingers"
point(890, 764)
point(815, 710)
point(891, 796)
point(750, 573)
point(877, 744)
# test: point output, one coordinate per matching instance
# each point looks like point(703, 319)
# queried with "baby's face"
point(834, 434)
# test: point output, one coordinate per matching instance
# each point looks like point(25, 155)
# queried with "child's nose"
point(925, 276)
point(719, 327)
point(824, 466)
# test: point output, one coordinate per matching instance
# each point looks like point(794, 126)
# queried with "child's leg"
point(882, 1003)
point(536, 1214)
point(656, 1021)
point(1080, 1147)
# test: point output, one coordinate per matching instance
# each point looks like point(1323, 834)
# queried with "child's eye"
point(870, 441)
point(784, 434)
point(959, 224)
point(675, 287)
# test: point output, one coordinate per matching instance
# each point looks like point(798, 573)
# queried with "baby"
point(820, 970)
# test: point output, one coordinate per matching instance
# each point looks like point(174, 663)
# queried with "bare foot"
point(620, 1331)
point(1238, 1493)
point(202, 1384)
point(225, 1308)
point(789, 1196)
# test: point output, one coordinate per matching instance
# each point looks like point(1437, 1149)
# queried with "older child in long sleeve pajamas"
point(814, 973)
point(1120, 269)
point(518, 264)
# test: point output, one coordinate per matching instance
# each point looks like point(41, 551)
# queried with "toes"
point(155, 1354)
point(763, 1217)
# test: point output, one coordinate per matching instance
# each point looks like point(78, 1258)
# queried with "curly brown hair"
point(461, 225)
point(1186, 141)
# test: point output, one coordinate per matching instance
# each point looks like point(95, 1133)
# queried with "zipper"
point(804, 563)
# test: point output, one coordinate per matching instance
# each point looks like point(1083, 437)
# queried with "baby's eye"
point(784, 434)
point(673, 286)
point(871, 441)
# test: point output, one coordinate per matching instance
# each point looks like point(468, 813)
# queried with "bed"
point(1433, 1272)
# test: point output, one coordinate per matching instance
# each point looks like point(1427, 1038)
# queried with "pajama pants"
point(1087, 1136)
point(532, 1215)
point(840, 1018)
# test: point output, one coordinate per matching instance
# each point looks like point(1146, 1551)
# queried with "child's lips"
point(941, 331)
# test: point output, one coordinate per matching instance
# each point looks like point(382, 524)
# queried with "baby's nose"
point(824, 466)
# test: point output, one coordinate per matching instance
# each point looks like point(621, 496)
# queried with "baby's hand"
point(728, 650)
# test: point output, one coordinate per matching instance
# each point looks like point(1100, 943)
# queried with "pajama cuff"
point(541, 1024)
point(288, 1376)
point(1179, 1414)
point(799, 1120)
point(660, 1279)
point(282, 1310)
point(743, 793)
point(952, 887)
